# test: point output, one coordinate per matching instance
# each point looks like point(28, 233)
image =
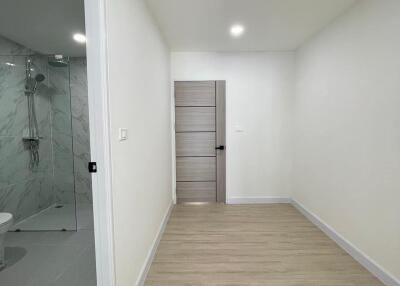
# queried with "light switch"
point(123, 134)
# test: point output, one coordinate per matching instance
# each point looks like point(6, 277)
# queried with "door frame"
point(100, 135)
point(221, 137)
point(220, 124)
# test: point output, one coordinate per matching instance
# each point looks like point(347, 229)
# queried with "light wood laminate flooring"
point(272, 245)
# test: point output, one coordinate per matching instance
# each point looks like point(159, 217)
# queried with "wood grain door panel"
point(190, 119)
point(196, 191)
point(195, 93)
point(199, 129)
point(196, 169)
point(195, 144)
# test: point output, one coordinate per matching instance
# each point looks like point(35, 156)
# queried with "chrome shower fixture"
point(58, 61)
point(32, 138)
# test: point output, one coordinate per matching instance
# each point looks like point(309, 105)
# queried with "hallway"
point(270, 245)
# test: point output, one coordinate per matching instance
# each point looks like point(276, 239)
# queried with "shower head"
point(58, 61)
point(39, 77)
point(32, 84)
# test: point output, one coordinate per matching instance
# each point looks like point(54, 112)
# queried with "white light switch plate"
point(123, 134)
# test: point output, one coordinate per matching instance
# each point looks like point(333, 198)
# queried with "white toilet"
point(6, 221)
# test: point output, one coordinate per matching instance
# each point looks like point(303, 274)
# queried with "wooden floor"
point(270, 245)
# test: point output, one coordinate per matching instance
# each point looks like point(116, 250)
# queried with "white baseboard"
point(257, 200)
point(385, 277)
point(154, 246)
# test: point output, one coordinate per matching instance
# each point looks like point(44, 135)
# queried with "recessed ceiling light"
point(80, 38)
point(237, 30)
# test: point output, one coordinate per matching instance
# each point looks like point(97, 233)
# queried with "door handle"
point(222, 147)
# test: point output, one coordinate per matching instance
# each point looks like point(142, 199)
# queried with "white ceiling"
point(45, 26)
point(271, 25)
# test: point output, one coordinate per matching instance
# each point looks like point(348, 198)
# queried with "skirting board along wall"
point(153, 250)
point(385, 277)
point(259, 200)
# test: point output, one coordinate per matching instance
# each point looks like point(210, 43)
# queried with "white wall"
point(139, 91)
point(347, 129)
point(258, 99)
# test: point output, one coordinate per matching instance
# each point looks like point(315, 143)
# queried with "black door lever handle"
point(222, 147)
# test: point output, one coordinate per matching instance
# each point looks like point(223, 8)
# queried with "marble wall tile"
point(7, 202)
point(24, 198)
point(62, 112)
point(46, 192)
point(80, 129)
point(28, 199)
point(8, 47)
point(43, 95)
point(13, 107)
point(63, 187)
point(83, 182)
point(23, 191)
point(14, 161)
point(61, 99)
point(15, 157)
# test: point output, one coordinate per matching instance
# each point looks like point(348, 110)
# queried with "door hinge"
point(92, 166)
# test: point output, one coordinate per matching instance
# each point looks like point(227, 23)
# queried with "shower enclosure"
point(36, 142)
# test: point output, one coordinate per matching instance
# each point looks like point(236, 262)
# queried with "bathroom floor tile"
point(52, 258)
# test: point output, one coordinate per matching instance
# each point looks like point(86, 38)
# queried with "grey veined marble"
point(80, 129)
point(62, 112)
point(9, 48)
